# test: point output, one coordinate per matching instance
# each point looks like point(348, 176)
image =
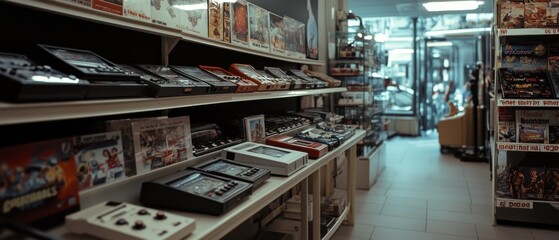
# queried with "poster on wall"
point(259, 36)
point(303, 11)
point(192, 16)
point(215, 20)
point(294, 37)
point(239, 23)
point(138, 10)
point(277, 34)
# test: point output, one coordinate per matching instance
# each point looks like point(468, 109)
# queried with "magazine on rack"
point(161, 142)
point(532, 126)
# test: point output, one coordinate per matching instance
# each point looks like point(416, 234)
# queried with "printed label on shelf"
point(528, 102)
point(528, 31)
point(514, 203)
point(523, 147)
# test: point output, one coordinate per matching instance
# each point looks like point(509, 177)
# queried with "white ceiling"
point(412, 8)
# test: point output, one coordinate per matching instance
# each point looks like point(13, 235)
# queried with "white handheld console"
point(116, 220)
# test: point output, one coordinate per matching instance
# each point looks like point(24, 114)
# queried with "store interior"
point(234, 119)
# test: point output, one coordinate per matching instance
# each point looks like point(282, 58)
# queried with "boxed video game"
point(215, 20)
point(239, 23)
point(85, 3)
point(535, 14)
point(192, 17)
point(507, 126)
point(99, 158)
point(137, 9)
point(525, 56)
point(125, 128)
point(553, 66)
point(294, 37)
point(511, 15)
point(532, 126)
point(227, 22)
point(532, 84)
point(161, 142)
point(110, 6)
point(162, 13)
point(259, 34)
point(552, 18)
point(533, 186)
point(551, 184)
point(39, 182)
point(277, 34)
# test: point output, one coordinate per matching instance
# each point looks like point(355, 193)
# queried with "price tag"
point(514, 203)
point(551, 31)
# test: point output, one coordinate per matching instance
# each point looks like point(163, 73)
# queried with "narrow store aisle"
point(423, 195)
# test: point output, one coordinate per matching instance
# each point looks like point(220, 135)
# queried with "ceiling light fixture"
point(452, 5)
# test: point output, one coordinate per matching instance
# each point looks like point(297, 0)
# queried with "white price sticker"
point(513, 203)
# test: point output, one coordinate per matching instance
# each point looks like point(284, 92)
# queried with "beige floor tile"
point(357, 230)
point(458, 217)
point(540, 234)
point(406, 202)
point(450, 228)
point(482, 209)
point(366, 207)
point(449, 206)
point(406, 212)
point(390, 221)
point(488, 231)
point(382, 233)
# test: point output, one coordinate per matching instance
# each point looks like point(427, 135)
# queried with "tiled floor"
point(424, 195)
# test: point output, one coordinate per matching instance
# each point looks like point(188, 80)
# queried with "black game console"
point(277, 124)
point(190, 86)
point(218, 84)
point(159, 87)
point(208, 138)
point(296, 83)
point(313, 82)
point(195, 191)
point(321, 136)
point(24, 81)
point(236, 170)
point(341, 131)
point(107, 80)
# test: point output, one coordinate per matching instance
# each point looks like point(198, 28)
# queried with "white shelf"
point(12, 113)
point(528, 102)
point(74, 10)
point(207, 226)
point(527, 31)
point(338, 223)
point(527, 147)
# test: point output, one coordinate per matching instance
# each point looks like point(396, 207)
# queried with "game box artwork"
point(239, 23)
point(162, 142)
point(507, 130)
point(525, 84)
point(551, 182)
point(277, 35)
point(137, 10)
point(511, 15)
point(38, 181)
point(525, 56)
point(99, 158)
point(532, 126)
point(192, 16)
point(215, 20)
point(259, 34)
point(294, 37)
point(533, 187)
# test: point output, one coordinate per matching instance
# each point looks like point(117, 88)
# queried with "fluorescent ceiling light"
point(439, 44)
point(456, 31)
point(452, 6)
point(402, 51)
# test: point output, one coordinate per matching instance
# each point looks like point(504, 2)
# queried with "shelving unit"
point(361, 105)
point(521, 170)
point(160, 41)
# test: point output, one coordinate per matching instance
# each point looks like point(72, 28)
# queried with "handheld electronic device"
point(315, 83)
point(243, 85)
point(117, 220)
point(248, 72)
point(314, 149)
point(107, 80)
point(208, 138)
point(190, 86)
point(321, 136)
point(195, 191)
point(218, 84)
point(296, 83)
point(282, 84)
point(159, 87)
point(280, 161)
point(236, 170)
point(23, 81)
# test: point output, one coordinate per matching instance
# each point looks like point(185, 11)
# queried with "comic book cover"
point(524, 56)
point(227, 22)
point(111, 6)
point(215, 20)
point(507, 129)
point(162, 13)
point(532, 126)
point(551, 184)
point(553, 67)
point(125, 128)
point(259, 33)
point(161, 142)
point(239, 23)
point(137, 9)
point(99, 158)
point(38, 181)
point(277, 34)
point(552, 18)
point(85, 3)
point(535, 14)
point(511, 15)
point(504, 179)
point(192, 16)
point(533, 187)
point(294, 37)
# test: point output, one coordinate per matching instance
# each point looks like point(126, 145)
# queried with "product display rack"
point(521, 170)
point(128, 189)
point(352, 61)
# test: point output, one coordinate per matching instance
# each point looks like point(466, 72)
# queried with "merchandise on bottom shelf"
point(551, 184)
point(334, 204)
point(208, 138)
point(276, 124)
point(293, 208)
point(533, 186)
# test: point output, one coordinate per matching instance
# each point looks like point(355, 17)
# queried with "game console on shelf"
point(117, 220)
point(280, 161)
